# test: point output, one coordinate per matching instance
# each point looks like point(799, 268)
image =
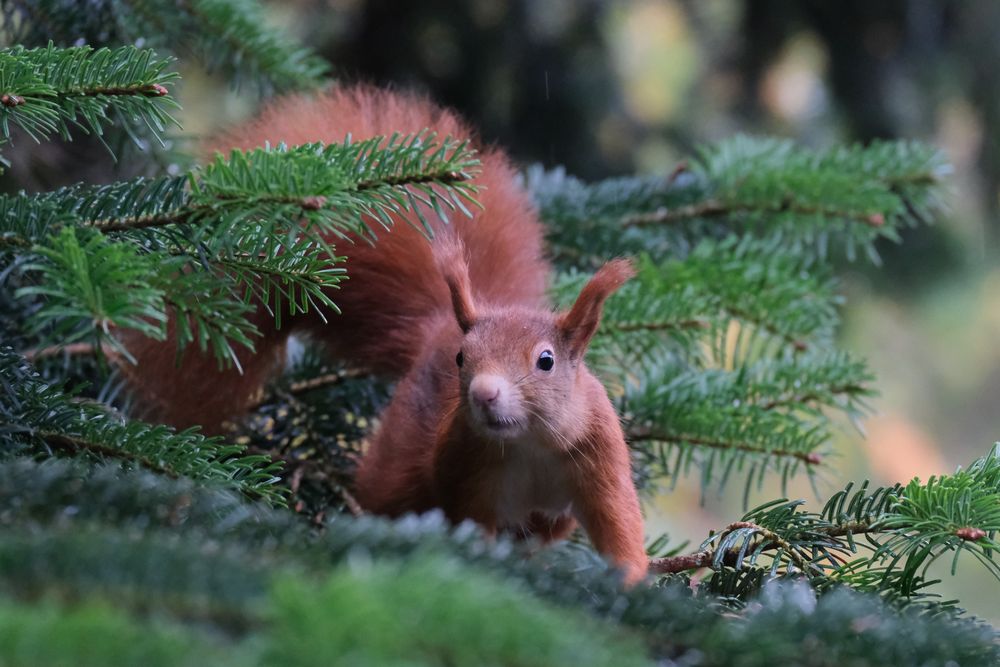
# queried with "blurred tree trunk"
point(535, 77)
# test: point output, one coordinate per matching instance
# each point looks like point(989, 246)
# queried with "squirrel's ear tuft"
point(579, 325)
point(449, 254)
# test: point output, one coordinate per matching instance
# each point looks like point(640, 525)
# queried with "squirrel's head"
point(519, 368)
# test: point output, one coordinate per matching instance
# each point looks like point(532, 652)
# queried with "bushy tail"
point(395, 287)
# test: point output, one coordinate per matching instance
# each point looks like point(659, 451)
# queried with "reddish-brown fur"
point(407, 310)
point(569, 464)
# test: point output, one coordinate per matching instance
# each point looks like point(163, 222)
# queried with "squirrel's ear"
point(579, 325)
point(450, 258)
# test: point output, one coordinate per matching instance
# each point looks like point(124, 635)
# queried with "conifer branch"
point(793, 400)
point(194, 212)
point(47, 91)
point(678, 564)
point(236, 249)
point(132, 531)
point(320, 381)
point(712, 208)
point(76, 445)
point(743, 315)
point(231, 36)
point(713, 557)
point(906, 529)
point(641, 434)
point(815, 201)
point(702, 395)
point(174, 217)
point(38, 418)
point(82, 349)
point(632, 327)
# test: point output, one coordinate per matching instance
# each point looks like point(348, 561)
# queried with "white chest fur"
point(534, 479)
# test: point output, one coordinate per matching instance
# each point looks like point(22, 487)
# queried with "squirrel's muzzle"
point(486, 390)
point(495, 404)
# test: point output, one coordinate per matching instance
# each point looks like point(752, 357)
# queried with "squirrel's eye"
point(459, 359)
point(546, 361)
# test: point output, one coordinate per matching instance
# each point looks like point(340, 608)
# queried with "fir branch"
point(814, 201)
point(95, 634)
point(712, 209)
point(81, 349)
point(906, 528)
point(769, 415)
point(879, 635)
point(641, 435)
point(90, 285)
point(632, 327)
point(39, 418)
point(678, 564)
point(208, 556)
point(333, 187)
point(51, 90)
point(75, 445)
point(189, 578)
point(230, 36)
point(691, 305)
point(235, 249)
point(722, 362)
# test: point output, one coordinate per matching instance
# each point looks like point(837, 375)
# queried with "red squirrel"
point(496, 418)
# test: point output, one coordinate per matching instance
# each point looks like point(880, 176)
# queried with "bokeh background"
point(611, 87)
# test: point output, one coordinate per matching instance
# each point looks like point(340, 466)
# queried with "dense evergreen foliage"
point(127, 543)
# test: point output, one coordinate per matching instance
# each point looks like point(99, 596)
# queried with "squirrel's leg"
point(613, 521)
point(606, 501)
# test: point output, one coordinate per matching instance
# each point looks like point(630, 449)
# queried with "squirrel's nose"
point(485, 389)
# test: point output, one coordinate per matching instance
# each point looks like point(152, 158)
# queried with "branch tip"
point(313, 203)
point(155, 90)
point(970, 533)
point(681, 167)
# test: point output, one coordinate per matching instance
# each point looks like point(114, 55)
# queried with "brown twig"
point(72, 350)
point(75, 445)
point(659, 326)
point(852, 527)
point(705, 558)
point(809, 397)
point(325, 380)
point(172, 217)
point(142, 89)
point(351, 502)
point(449, 176)
point(649, 435)
point(310, 384)
point(711, 208)
point(675, 564)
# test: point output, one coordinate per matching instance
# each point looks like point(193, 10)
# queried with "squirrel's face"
point(518, 368)
point(516, 376)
